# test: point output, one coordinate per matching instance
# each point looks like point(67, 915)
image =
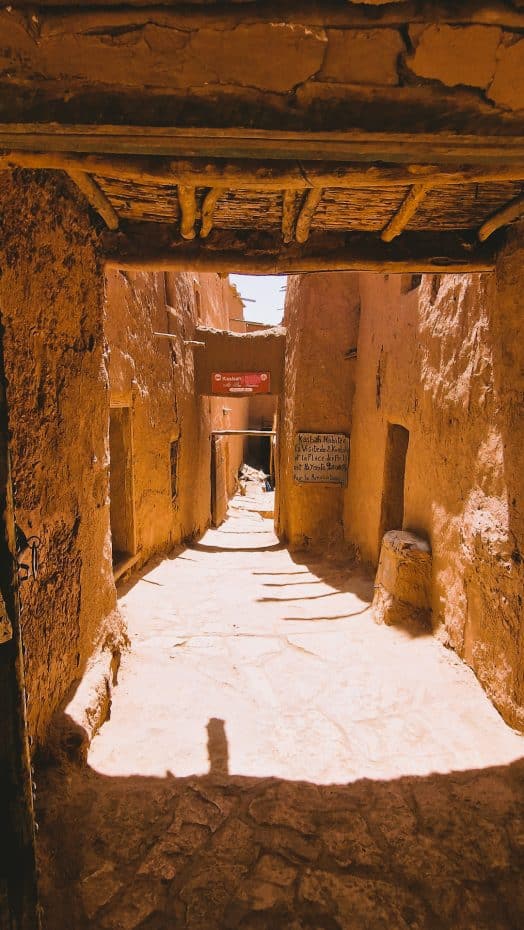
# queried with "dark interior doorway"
point(392, 508)
point(122, 515)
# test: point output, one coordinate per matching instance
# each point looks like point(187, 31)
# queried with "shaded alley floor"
point(276, 759)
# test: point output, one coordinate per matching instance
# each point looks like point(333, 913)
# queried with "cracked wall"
point(324, 66)
point(444, 360)
point(321, 317)
point(51, 300)
point(155, 378)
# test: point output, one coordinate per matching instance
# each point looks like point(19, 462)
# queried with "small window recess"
point(409, 282)
point(173, 467)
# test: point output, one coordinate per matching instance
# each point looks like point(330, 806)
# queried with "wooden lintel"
point(307, 212)
point(271, 175)
point(96, 198)
point(491, 152)
point(188, 211)
point(508, 214)
point(208, 209)
point(257, 253)
point(407, 209)
point(289, 214)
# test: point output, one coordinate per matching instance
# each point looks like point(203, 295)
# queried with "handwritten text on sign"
point(321, 457)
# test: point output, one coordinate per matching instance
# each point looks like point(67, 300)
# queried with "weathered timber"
point(188, 13)
point(407, 209)
point(152, 247)
point(243, 432)
point(17, 831)
point(307, 212)
point(95, 197)
point(290, 207)
point(188, 210)
point(268, 175)
point(208, 210)
point(440, 148)
point(508, 214)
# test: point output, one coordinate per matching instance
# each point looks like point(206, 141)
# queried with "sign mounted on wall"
point(240, 382)
point(321, 458)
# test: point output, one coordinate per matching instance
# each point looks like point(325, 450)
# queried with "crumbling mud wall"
point(321, 318)
point(51, 300)
point(153, 378)
point(441, 357)
point(378, 66)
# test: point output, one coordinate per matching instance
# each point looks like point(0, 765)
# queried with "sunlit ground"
point(245, 660)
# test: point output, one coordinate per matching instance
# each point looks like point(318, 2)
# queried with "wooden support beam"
point(96, 197)
point(290, 207)
point(507, 214)
point(272, 175)
point(188, 211)
point(151, 247)
point(396, 148)
point(407, 209)
point(208, 209)
point(307, 212)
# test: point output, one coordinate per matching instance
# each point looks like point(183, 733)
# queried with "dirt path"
point(275, 759)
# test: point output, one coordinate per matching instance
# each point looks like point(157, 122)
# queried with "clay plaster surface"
point(156, 377)
point(274, 757)
point(444, 361)
point(51, 298)
point(322, 67)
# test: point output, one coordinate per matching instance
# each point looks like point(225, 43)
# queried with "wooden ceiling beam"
point(152, 247)
point(307, 212)
point(247, 174)
point(208, 209)
point(96, 197)
point(439, 148)
point(407, 209)
point(188, 211)
point(508, 214)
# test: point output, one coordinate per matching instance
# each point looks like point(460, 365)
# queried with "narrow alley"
point(274, 758)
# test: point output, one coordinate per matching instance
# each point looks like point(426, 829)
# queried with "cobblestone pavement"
point(274, 759)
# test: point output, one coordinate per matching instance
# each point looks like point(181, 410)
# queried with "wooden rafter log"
point(407, 209)
point(290, 206)
point(307, 212)
point(508, 214)
point(150, 246)
point(188, 211)
point(272, 175)
point(208, 210)
point(96, 197)
point(451, 150)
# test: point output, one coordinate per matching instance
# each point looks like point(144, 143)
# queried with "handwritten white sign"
point(321, 458)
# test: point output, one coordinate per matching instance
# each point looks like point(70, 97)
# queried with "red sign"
point(240, 382)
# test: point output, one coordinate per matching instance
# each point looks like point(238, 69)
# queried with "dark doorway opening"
point(259, 453)
point(392, 508)
point(122, 515)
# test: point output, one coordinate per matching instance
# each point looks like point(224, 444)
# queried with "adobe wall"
point(155, 376)
point(322, 66)
point(51, 298)
point(321, 318)
point(445, 362)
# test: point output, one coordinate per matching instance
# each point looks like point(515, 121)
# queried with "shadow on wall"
point(224, 851)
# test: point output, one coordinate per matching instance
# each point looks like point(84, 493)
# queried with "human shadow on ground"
point(232, 852)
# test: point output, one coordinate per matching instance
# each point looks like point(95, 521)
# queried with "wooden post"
point(18, 893)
